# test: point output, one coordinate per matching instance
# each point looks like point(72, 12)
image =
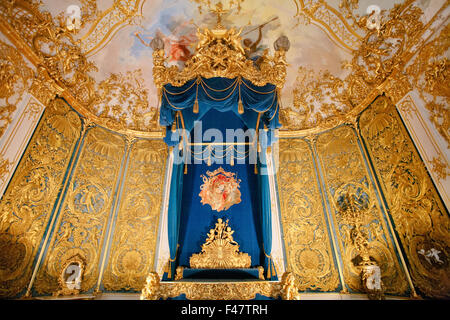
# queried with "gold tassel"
point(174, 126)
point(240, 107)
point(195, 109)
point(232, 161)
point(169, 272)
point(259, 147)
point(256, 169)
point(209, 162)
point(185, 168)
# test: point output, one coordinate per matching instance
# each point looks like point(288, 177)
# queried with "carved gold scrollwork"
point(220, 251)
point(134, 241)
point(306, 238)
point(4, 168)
point(63, 67)
point(81, 226)
point(429, 73)
point(27, 204)
point(419, 215)
point(323, 100)
point(219, 53)
point(344, 172)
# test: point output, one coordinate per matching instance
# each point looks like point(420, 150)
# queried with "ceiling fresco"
point(115, 36)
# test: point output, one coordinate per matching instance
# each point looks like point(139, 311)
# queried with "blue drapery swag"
point(224, 95)
point(255, 106)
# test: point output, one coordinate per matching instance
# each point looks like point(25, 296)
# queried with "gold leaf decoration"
point(324, 100)
point(430, 73)
point(220, 251)
point(26, 206)
point(343, 169)
point(419, 215)
point(135, 233)
point(81, 225)
point(15, 78)
point(308, 248)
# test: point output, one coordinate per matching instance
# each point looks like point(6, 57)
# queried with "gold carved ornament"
point(430, 73)
point(353, 210)
point(26, 206)
point(81, 228)
point(220, 251)
point(5, 165)
point(63, 68)
point(134, 241)
point(71, 276)
point(219, 53)
point(331, 20)
point(323, 100)
point(15, 78)
point(344, 171)
point(419, 216)
point(309, 252)
point(155, 289)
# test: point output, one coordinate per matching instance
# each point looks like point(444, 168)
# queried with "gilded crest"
point(220, 189)
point(220, 251)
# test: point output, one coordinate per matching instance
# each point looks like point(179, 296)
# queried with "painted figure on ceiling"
point(253, 49)
point(177, 44)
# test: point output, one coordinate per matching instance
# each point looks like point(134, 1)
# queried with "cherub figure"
point(289, 288)
point(228, 235)
point(211, 237)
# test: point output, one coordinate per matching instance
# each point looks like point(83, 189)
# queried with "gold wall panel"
point(343, 170)
point(26, 206)
point(420, 218)
point(88, 203)
point(133, 245)
point(308, 247)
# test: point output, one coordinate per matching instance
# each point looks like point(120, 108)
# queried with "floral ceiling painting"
point(324, 36)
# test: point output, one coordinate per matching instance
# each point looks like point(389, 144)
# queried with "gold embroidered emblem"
point(220, 189)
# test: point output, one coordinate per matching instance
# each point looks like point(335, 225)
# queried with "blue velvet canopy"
point(228, 103)
point(223, 95)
